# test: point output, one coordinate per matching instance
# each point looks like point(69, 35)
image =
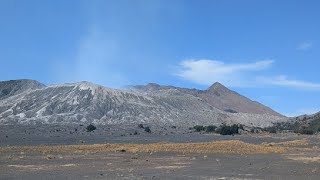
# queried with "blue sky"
point(267, 50)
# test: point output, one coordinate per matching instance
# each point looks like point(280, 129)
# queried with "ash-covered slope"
point(86, 102)
point(14, 87)
point(217, 96)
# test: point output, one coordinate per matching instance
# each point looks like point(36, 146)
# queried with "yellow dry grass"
point(217, 147)
point(293, 143)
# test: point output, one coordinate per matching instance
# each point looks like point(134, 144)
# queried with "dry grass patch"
point(217, 147)
point(305, 159)
point(293, 143)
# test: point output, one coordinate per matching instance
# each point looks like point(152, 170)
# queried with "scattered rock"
point(50, 157)
point(90, 128)
point(121, 150)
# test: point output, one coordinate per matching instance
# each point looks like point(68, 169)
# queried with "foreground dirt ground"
point(222, 159)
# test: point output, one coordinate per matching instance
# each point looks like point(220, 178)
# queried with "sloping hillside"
point(217, 96)
point(86, 102)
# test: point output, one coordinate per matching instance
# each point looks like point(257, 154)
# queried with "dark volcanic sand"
point(32, 135)
point(154, 166)
point(297, 163)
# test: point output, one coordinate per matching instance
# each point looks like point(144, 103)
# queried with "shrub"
point(90, 128)
point(234, 129)
point(271, 129)
point(211, 128)
point(252, 130)
point(135, 133)
point(141, 126)
point(199, 128)
point(147, 129)
point(222, 130)
point(228, 130)
point(306, 131)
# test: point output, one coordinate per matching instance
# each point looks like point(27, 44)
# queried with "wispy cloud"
point(94, 60)
point(305, 45)
point(206, 72)
point(283, 80)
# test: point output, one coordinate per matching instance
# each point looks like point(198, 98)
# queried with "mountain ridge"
point(86, 102)
point(227, 99)
point(14, 87)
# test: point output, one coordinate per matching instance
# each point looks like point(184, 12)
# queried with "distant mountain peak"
point(216, 84)
point(22, 81)
point(14, 87)
point(78, 84)
point(153, 85)
point(217, 87)
point(148, 87)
